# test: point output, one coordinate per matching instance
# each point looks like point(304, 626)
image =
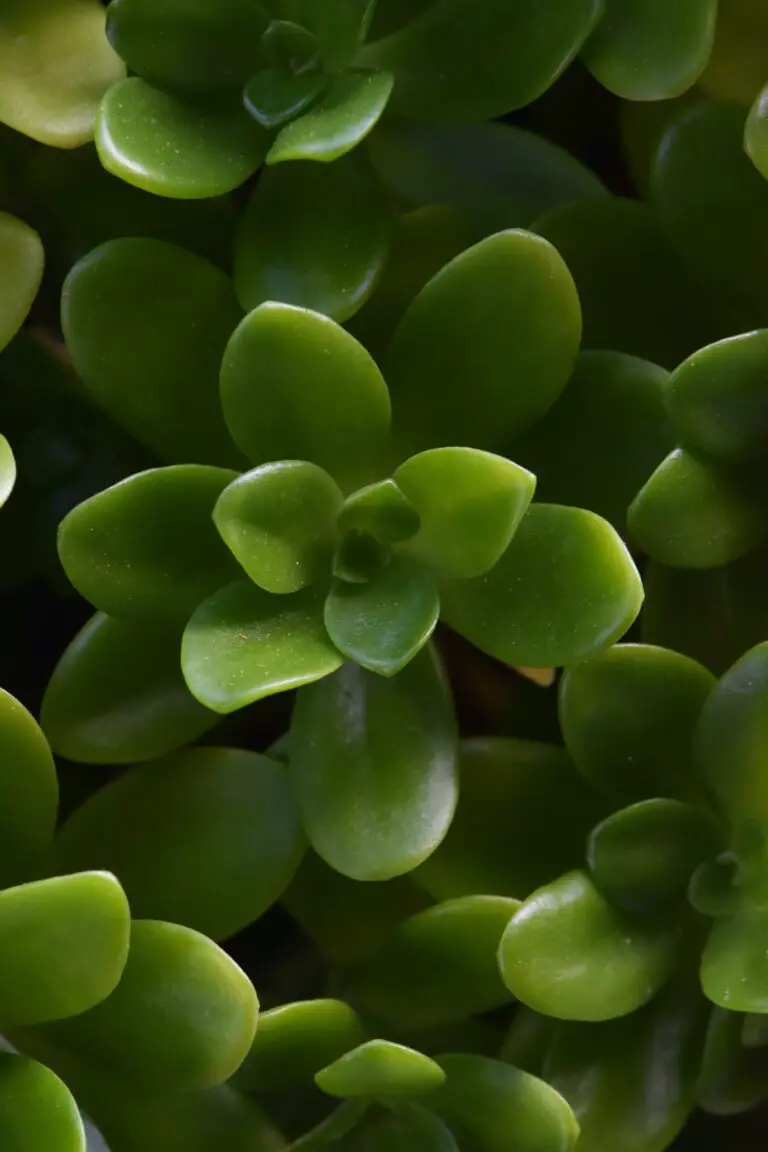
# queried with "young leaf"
point(734, 964)
point(347, 112)
point(340, 26)
point(274, 96)
point(381, 510)
point(379, 1068)
point(21, 269)
point(29, 794)
point(37, 1109)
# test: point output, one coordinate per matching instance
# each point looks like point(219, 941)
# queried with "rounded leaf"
point(379, 1068)
point(274, 97)
point(373, 762)
point(21, 268)
point(732, 1078)
point(7, 470)
point(381, 510)
point(29, 793)
point(568, 953)
point(734, 964)
point(348, 110)
point(37, 1109)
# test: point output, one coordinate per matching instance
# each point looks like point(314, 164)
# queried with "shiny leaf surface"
point(347, 112)
point(29, 793)
point(380, 1068)
point(21, 268)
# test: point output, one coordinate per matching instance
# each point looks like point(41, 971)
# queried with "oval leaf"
point(274, 97)
point(732, 1078)
point(382, 511)
point(37, 1109)
point(21, 267)
point(29, 793)
point(348, 111)
point(734, 964)
point(7, 470)
point(379, 1068)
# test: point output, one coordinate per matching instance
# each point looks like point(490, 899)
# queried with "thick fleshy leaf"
point(739, 62)
point(117, 695)
point(21, 268)
point(373, 761)
point(434, 57)
point(37, 1109)
point(379, 1068)
point(296, 386)
point(279, 521)
point(146, 324)
point(56, 64)
point(29, 793)
point(409, 1129)
point(628, 717)
point(565, 588)
point(756, 133)
point(147, 548)
point(243, 644)
point(508, 791)
point(274, 96)
point(631, 1082)
point(382, 511)
point(718, 399)
point(79, 923)
point(500, 322)
point(347, 112)
point(209, 838)
point(566, 933)
point(734, 964)
point(383, 623)
point(732, 1078)
point(693, 513)
point(340, 27)
point(645, 50)
point(470, 504)
point(600, 441)
point(7, 470)
point(439, 965)
point(171, 147)
point(497, 175)
point(492, 1107)
point(341, 1123)
point(529, 1039)
point(314, 236)
point(295, 1041)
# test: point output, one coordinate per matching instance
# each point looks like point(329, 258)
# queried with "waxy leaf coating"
point(37, 1109)
point(338, 122)
point(380, 1068)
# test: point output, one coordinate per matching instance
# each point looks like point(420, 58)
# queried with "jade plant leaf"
point(295, 1041)
point(508, 791)
point(492, 1107)
point(380, 1068)
point(147, 547)
point(208, 837)
point(37, 1109)
point(718, 400)
point(409, 1129)
point(434, 56)
point(628, 717)
point(439, 965)
point(274, 96)
point(83, 923)
point(296, 386)
point(381, 510)
point(7, 470)
point(117, 695)
point(146, 324)
point(528, 1040)
point(21, 268)
point(346, 113)
point(279, 522)
point(470, 504)
point(732, 1078)
point(645, 50)
point(373, 762)
point(243, 644)
point(56, 64)
point(29, 793)
point(315, 236)
point(505, 310)
point(693, 513)
point(566, 932)
point(339, 26)
point(734, 964)
point(182, 1017)
point(565, 588)
point(756, 133)
point(172, 147)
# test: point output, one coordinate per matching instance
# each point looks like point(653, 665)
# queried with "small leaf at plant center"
point(348, 110)
point(273, 97)
point(380, 1069)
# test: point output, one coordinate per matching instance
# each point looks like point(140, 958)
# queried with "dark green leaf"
point(273, 97)
point(379, 1068)
point(529, 1039)
point(734, 964)
point(732, 1078)
point(381, 510)
point(340, 26)
point(347, 112)
point(37, 1109)
point(687, 610)
point(21, 267)
point(409, 1129)
point(29, 793)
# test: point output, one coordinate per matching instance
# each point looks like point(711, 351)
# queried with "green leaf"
point(528, 1041)
point(361, 558)
point(628, 717)
point(37, 1109)
point(208, 837)
point(373, 763)
point(334, 1129)
point(79, 923)
point(568, 953)
point(382, 624)
point(340, 26)
point(379, 1068)
point(7, 470)
point(316, 236)
point(21, 267)
point(295, 1041)
point(565, 588)
point(170, 147)
point(279, 522)
point(381, 510)
point(243, 644)
point(718, 400)
point(434, 57)
point(739, 61)
point(147, 548)
point(492, 1107)
point(29, 793)
point(409, 1129)
point(734, 964)
point(146, 324)
point(509, 790)
point(187, 44)
point(602, 438)
point(643, 50)
point(470, 504)
point(504, 310)
point(117, 695)
point(55, 64)
point(732, 1078)
point(183, 1016)
point(347, 112)
point(296, 386)
point(440, 965)
point(756, 133)
point(695, 514)
point(274, 96)
point(754, 1034)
